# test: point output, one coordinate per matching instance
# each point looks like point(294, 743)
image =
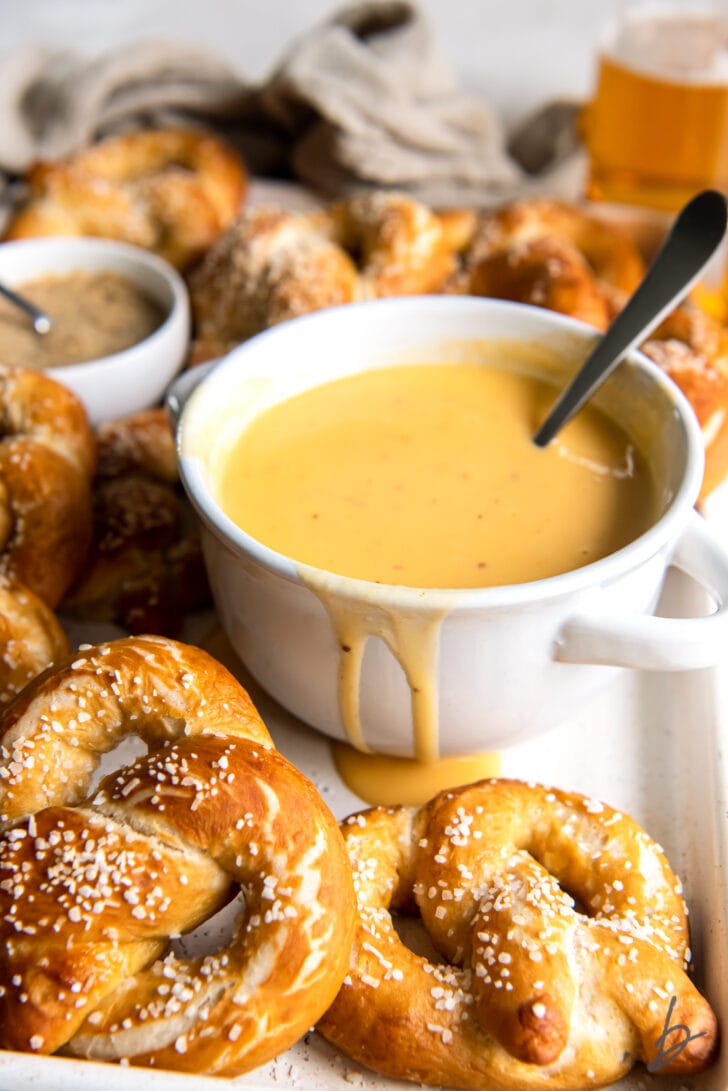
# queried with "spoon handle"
point(695, 236)
point(41, 321)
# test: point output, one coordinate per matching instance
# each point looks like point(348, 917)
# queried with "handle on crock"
point(179, 391)
point(659, 643)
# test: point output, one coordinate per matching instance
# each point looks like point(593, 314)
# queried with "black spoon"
point(695, 236)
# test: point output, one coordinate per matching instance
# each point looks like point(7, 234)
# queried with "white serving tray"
point(651, 745)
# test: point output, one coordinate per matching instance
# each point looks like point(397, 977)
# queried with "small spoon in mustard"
point(696, 234)
point(41, 321)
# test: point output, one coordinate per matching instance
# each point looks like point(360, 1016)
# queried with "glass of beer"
point(657, 127)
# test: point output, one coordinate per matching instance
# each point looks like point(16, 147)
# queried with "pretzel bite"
point(92, 888)
point(274, 265)
point(46, 462)
point(173, 191)
point(561, 936)
point(145, 570)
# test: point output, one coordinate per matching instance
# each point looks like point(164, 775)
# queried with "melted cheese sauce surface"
point(427, 476)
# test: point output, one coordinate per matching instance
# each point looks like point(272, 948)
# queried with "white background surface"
point(518, 53)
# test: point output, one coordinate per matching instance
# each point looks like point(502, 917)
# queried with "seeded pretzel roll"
point(535, 991)
point(173, 191)
point(91, 889)
point(31, 638)
point(46, 462)
point(274, 265)
point(145, 570)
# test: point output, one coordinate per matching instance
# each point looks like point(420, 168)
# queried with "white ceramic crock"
point(137, 377)
point(422, 673)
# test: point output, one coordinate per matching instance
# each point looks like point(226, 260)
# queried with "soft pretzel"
point(610, 253)
point(692, 348)
point(31, 638)
point(46, 463)
point(537, 990)
point(173, 191)
point(273, 265)
point(546, 272)
point(145, 570)
point(91, 889)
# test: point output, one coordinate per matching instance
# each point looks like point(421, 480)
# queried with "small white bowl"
point(137, 377)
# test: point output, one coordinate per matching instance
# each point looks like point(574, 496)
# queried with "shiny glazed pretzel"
point(173, 191)
point(46, 463)
point(535, 990)
point(91, 889)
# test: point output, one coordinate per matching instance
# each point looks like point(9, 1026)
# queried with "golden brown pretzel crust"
point(173, 191)
point(555, 255)
point(31, 638)
point(534, 992)
point(274, 265)
point(692, 348)
point(610, 253)
point(145, 570)
point(46, 462)
point(91, 893)
point(545, 272)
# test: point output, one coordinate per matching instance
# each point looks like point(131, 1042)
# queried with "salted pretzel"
point(92, 887)
point(31, 638)
point(529, 988)
point(145, 570)
point(273, 265)
point(173, 191)
point(692, 348)
point(46, 463)
point(545, 272)
point(610, 253)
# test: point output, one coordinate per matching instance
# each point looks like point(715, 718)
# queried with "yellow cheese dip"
point(93, 314)
point(427, 476)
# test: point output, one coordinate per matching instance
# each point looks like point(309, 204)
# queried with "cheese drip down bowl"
point(429, 672)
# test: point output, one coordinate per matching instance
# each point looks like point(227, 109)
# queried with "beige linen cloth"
point(364, 99)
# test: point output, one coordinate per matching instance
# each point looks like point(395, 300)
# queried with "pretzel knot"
point(538, 990)
point(169, 190)
point(92, 889)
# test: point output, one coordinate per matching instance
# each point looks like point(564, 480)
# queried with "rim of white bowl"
point(594, 574)
point(179, 310)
